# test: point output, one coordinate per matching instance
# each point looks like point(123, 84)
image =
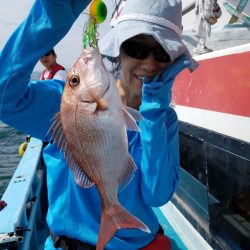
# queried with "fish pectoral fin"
point(129, 173)
point(55, 133)
point(130, 121)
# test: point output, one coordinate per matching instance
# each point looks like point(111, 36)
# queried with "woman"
point(149, 49)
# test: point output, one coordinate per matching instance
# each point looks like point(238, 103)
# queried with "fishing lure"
point(98, 11)
point(98, 14)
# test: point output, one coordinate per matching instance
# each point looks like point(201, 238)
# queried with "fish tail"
point(115, 218)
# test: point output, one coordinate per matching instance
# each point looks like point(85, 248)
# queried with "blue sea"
point(10, 140)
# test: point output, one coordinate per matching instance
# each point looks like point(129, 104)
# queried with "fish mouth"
point(96, 95)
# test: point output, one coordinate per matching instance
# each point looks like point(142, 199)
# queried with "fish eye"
point(74, 80)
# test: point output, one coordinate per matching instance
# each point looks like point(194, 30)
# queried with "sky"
point(12, 12)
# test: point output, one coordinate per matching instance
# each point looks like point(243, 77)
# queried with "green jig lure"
point(98, 14)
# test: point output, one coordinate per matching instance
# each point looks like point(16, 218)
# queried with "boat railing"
point(188, 8)
point(21, 218)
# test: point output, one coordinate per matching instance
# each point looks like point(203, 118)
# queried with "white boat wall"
point(211, 207)
point(213, 107)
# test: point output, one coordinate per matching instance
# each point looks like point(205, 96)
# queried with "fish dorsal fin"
point(128, 175)
point(135, 113)
point(131, 117)
point(58, 137)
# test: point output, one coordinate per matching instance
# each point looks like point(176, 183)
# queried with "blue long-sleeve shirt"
point(29, 107)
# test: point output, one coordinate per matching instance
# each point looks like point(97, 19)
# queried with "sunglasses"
point(141, 51)
point(47, 54)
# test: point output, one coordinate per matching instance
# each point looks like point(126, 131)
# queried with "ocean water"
point(10, 140)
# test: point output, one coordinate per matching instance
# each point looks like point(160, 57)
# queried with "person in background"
point(146, 44)
point(52, 70)
point(207, 13)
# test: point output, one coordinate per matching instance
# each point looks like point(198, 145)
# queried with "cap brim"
point(168, 39)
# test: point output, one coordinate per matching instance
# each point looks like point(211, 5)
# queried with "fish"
point(91, 129)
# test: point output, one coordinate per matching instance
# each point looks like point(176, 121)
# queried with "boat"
point(213, 108)
point(211, 206)
point(23, 219)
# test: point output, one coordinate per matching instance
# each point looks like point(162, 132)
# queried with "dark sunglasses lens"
point(136, 50)
point(161, 55)
point(142, 51)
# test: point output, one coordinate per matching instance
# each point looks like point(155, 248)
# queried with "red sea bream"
point(91, 129)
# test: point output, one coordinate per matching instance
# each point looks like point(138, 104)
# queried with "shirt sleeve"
point(60, 75)
point(29, 106)
point(160, 146)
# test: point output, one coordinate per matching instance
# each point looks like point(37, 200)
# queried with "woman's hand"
point(171, 71)
point(159, 90)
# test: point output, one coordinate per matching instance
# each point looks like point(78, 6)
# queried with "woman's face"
point(133, 70)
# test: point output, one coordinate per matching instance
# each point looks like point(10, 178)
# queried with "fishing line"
point(8, 23)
